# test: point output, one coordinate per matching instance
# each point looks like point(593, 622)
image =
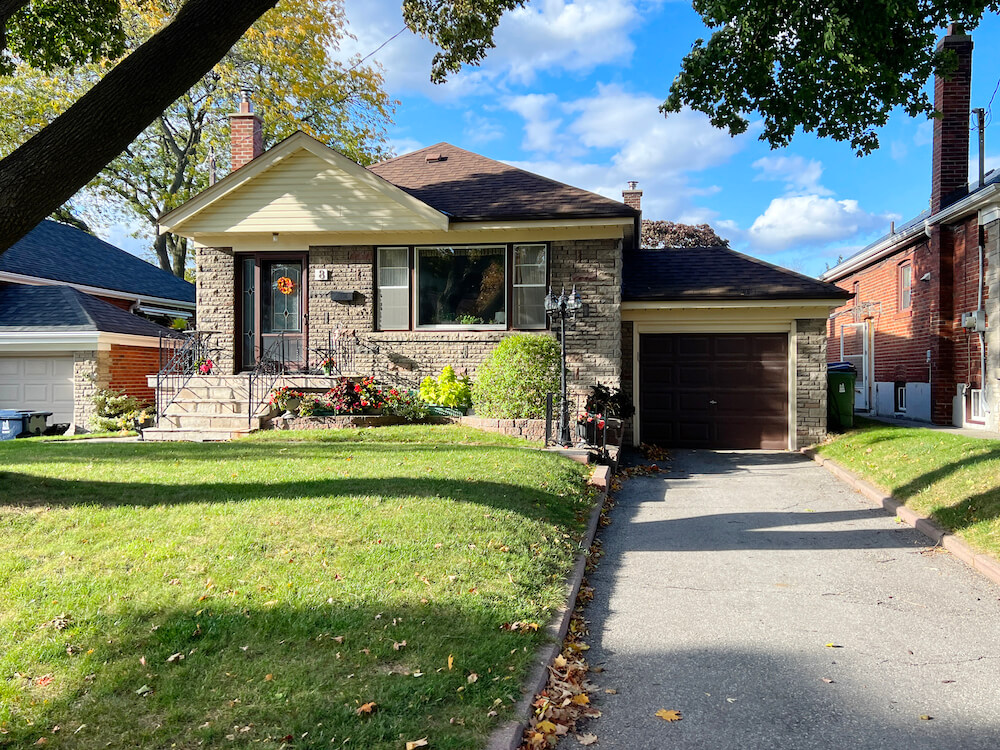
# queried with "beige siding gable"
point(304, 193)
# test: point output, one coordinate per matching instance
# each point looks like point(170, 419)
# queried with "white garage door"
point(38, 384)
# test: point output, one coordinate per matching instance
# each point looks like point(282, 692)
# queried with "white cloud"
point(480, 129)
point(898, 150)
point(924, 135)
point(811, 220)
point(404, 145)
point(545, 35)
point(801, 176)
point(540, 124)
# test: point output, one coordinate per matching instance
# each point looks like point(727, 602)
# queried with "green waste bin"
point(840, 378)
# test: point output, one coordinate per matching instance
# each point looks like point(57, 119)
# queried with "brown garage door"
point(717, 390)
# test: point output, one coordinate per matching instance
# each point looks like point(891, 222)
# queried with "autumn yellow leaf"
point(422, 742)
point(559, 662)
point(586, 739)
point(366, 708)
point(546, 727)
point(451, 661)
point(268, 677)
point(581, 699)
point(669, 715)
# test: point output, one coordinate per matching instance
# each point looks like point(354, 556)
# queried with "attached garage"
point(38, 384)
point(714, 390)
point(724, 351)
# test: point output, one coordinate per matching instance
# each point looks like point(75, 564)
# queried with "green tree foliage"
point(834, 68)
point(514, 379)
point(286, 59)
point(49, 34)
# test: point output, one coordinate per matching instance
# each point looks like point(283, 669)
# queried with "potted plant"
point(286, 399)
point(328, 365)
point(616, 406)
point(205, 365)
point(590, 428)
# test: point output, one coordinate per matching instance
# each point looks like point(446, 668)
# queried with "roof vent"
point(431, 158)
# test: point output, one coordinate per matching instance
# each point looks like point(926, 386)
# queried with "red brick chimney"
point(632, 197)
point(246, 138)
point(952, 98)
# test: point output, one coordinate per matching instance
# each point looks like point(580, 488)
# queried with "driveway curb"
point(984, 564)
point(508, 736)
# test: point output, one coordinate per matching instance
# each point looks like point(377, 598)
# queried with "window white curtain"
point(529, 286)
point(393, 288)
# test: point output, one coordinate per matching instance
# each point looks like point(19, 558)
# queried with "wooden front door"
point(272, 310)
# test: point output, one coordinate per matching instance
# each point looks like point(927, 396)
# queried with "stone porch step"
point(210, 422)
point(191, 405)
point(158, 435)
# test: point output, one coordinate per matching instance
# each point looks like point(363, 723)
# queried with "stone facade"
point(216, 284)
point(91, 372)
point(810, 382)
point(593, 267)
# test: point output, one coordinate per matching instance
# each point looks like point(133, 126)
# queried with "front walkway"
point(726, 581)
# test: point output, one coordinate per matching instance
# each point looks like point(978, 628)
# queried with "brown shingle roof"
point(471, 187)
point(703, 273)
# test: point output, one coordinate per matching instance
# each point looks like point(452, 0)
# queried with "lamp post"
point(559, 308)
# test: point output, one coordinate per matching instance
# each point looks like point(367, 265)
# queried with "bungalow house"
point(78, 314)
point(431, 258)
point(921, 297)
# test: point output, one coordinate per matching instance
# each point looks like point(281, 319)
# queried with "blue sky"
point(572, 90)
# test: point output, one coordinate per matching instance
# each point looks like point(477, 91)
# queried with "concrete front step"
point(212, 393)
point(192, 405)
point(210, 422)
point(158, 435)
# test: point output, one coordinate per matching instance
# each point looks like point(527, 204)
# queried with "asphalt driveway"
point(725, 579)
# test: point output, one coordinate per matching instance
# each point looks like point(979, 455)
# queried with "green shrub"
point(513, 381)
point(117, 411)
point(447, 390)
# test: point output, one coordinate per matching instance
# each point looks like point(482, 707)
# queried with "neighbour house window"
point(393, 288)
point(976, 412)
point(900, 392)
point(905, 281)
point(472, 286)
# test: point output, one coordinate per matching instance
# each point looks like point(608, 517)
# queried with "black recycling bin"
point(840, 379)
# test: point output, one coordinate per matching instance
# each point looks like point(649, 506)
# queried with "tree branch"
point(49, 168)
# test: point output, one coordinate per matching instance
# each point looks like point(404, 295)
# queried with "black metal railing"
point(340, 353)
point(180, 359)
point(270, 366)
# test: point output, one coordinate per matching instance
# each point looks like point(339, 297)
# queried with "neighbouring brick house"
point(78, 314)
point(913, 289)
point(431, 258)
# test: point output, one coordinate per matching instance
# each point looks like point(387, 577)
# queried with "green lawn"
point(288, 574)
point(953, 479)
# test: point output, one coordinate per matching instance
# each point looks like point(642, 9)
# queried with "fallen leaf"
point(422, 742)
point(472, 677)
point(144, 690)
point(451, 661)
point(669, 715)
point(559, 662)
point(581, 699)
point(611, 691)
point(338, 638)
point(587, 739)
point(546, 727)
point(41, 741)
point(268, 677)
point(833, 645)
point(366, 708)
point(142, 660)
point(827, 680)
point(399, 646)
point(44, 681)
point(175, 657)
point(925, 717)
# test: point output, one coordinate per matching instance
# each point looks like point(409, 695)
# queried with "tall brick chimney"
point(952, 98)
point(246, 138)
point(632, 197)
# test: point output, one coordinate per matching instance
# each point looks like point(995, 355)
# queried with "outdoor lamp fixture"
point(559, 308)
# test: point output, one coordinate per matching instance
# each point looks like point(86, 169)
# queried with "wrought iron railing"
point(341, 352)
point(270, 366)
point(179, 361)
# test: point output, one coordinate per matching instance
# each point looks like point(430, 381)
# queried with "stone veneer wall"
point(594, 346)
point(216, 294)
point(627, 375)
point(91, 372)
point(811, 387)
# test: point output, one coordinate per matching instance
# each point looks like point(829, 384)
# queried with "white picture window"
point(978, 413)
point(529, 286)
point(393, 288)
point(905, 283)
point(462, 286)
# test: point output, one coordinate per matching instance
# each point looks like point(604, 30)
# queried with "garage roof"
point(63, 308)
point(714, 273)
point(63, 253)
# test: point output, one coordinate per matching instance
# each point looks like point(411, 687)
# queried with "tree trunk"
point(64, 156)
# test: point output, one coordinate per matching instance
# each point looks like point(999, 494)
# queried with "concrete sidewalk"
point(723, 582)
